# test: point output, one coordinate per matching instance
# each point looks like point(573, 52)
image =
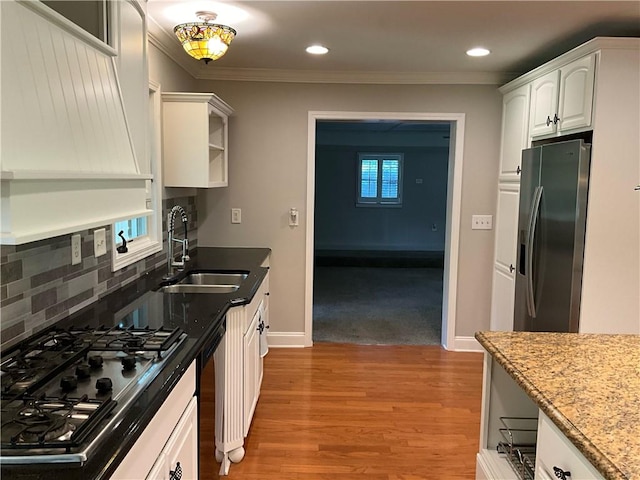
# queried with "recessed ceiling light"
point(478, 52)
point(317, 50)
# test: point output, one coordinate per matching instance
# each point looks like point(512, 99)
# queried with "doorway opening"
point(379, 236)
point(319, 123)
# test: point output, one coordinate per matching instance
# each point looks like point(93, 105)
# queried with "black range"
point(76, 396)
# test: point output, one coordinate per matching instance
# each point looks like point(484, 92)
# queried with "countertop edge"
point(608, 469)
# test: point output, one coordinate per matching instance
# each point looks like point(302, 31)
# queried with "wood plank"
point(356, 412)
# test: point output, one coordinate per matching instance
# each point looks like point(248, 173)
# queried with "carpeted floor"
point(377, 306)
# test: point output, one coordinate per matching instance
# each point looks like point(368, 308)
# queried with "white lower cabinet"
point(504, 401)
point(179, 458)
point(556, 454)
point(238, 377)
point(251, 369)
point(170, 437)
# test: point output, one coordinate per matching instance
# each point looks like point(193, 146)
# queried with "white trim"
point(466, 344)
point(454, 202)
point(146, 247)
point(346, 77)
point(286, 340)
point(576, 53)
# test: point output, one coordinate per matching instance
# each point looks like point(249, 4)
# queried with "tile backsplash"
point(39, 286)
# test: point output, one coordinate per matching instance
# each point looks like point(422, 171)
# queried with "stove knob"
point(83, 371)
point(129, 362)
point(104, 384)
point(68, 382)
point(95, 361)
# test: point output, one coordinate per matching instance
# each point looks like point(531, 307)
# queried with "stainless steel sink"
point(207, 282)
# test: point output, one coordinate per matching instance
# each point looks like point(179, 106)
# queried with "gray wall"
point(268, 172)
point(340, 225)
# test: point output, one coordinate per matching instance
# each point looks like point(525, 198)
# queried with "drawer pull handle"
point(561, 474)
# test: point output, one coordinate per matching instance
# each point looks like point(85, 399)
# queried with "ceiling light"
point(317, 50)
point(205, 40)
point(478, 52)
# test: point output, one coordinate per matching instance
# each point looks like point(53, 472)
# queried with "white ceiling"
point(395, 41)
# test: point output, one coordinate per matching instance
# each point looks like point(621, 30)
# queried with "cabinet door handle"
point(549, 120)
point(561, 474)
point(511, 268)
point(518, 170)
point(556, 118)
point(177, 473)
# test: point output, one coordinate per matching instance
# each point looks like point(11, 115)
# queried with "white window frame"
point(145, 246)
point(378, 201)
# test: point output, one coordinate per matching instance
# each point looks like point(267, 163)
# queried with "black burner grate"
point(51, 422)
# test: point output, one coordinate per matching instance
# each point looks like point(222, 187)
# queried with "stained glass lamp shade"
point(205, 40)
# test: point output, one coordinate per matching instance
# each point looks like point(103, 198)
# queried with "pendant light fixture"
point(205, 40)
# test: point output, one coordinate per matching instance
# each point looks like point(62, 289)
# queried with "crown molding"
point(168, 45)
point(324, 76)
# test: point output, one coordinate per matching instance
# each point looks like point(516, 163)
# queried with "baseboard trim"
point(286, 339)
point(466, 344)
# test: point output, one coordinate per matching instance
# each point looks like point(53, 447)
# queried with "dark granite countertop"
point(199, 315)
point(587, 384)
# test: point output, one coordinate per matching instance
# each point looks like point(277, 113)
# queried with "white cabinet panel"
point(182, 448)
point(251, 373)
point(507, 226)
point(576, 94)
point(544, 100)
point(502, 300)
point(553, 449)
point(515, 132)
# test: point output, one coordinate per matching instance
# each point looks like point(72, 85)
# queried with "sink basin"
point(207, 282)
point(213, 278)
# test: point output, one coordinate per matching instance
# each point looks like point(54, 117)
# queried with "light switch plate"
point(99, 242)
point(482, 222)
point(236, 215)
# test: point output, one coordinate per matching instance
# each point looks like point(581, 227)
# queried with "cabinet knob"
point(561, 474)
point(549, 120)
point(511, 268)
point(177, 473)
point(556, 118)
point(518, 170)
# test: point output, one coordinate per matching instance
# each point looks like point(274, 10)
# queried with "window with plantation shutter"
point(379, 179)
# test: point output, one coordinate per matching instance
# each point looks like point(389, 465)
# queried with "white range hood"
point(67, 160)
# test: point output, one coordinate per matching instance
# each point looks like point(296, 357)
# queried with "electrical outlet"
point(99, 242)
point(482, 222)
point(236, 215)
point(76, 249)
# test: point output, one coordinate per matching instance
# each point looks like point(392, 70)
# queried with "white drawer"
point(555, 450)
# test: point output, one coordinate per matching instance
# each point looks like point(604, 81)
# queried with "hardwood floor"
point(352, 412)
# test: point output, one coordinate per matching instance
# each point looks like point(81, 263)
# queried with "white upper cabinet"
point(195, 138)
point(544, 102)
point(576, 94)
point(562, 100)
point(515, 133)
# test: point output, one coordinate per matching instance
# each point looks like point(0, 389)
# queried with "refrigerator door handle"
point(533, 222)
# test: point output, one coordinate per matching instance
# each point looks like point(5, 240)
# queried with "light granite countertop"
point(587, 384)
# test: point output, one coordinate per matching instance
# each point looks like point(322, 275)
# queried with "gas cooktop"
point(62, 390)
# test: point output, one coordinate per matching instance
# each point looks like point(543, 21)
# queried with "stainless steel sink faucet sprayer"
point(184, 258)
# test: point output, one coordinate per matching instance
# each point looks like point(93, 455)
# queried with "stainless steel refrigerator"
point(551, 229)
